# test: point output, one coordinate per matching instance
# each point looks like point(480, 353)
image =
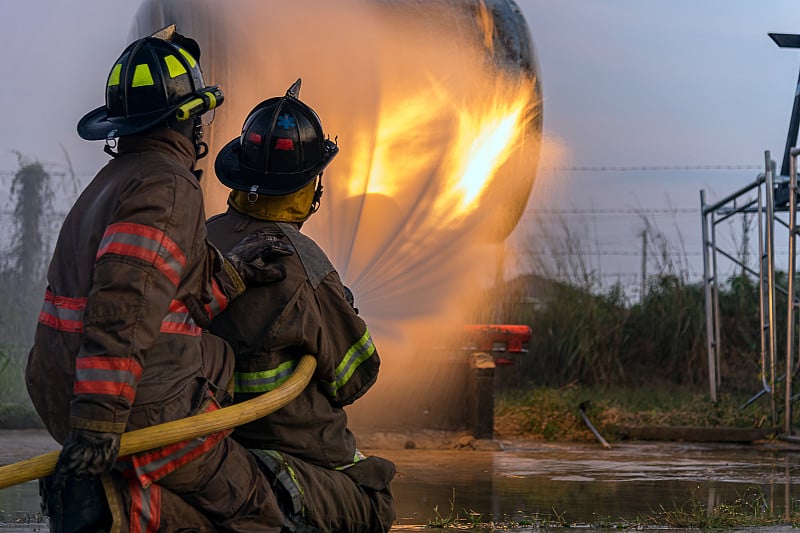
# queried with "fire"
point(487, 136)
point(459, 146)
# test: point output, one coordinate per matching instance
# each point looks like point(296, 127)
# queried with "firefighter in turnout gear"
point(132, 283)
point(321, 480)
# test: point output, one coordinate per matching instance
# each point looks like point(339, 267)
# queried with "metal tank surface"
point(436, 107)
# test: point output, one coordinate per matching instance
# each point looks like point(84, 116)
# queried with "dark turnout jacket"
point(271, 327)
point(119, 343)
point(321, 479)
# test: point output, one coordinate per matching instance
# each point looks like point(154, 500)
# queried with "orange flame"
point(483, 131)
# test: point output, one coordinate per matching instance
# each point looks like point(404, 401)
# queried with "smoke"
point(408, 218)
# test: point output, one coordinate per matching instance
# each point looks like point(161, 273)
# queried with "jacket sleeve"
point(348, 356)
point(140, 263)
point(225, 286)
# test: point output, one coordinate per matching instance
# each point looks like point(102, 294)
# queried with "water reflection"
point(584, 484)
point(581, 484)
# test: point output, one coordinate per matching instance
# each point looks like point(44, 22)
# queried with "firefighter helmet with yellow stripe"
point(281, 149)
point(153, 80)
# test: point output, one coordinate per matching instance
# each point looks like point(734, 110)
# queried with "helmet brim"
point(231, 173)
point(96, 125)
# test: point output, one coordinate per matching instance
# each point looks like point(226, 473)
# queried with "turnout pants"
point(357, 499)
point(175, 488)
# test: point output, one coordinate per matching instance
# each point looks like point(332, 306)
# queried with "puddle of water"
point(581, 483)
point(585, 484)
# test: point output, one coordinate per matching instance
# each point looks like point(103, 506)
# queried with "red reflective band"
point(71, 326)
point(154, 465)
point(126, 369)
point(65, 302)
point(62, 313)
point(179, 328)
point(178, 321)
point(146, 243)
point(219, 301)
point(145, 509)
point(254, 137)
point(145, 255)
point(109, 388)
point(284, 144)
point(109, 363)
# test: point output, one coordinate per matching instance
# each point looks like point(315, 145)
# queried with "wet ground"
point(576, 484)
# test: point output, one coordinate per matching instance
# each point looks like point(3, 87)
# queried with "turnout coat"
point(329, 484)
point(120, 345)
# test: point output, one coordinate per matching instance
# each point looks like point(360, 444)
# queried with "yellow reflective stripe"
point(356, 354)
point(142, 76)
point(211, 99)
point(278, 456)
point(358, 456)
point(188, 57)
point(113, 78)
point(263, 381)
point(174, 66)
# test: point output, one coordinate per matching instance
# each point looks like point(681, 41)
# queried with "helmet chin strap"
point(111, 143)
point(200, 147)
point(317, 196)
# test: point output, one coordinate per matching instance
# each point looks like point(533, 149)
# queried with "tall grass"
point(22, 273)
point(589, 334)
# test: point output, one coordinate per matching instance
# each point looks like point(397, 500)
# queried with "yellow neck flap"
point(293, 207)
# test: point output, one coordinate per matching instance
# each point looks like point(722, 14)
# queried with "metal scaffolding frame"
point(791, 368)
point(712, 215)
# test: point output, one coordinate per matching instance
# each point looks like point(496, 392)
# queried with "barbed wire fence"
point(625, 245)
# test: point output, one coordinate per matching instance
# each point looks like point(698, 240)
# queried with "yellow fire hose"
point(178, 430)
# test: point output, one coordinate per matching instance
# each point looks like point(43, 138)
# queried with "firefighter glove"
point(253, 258)
point(86, 453)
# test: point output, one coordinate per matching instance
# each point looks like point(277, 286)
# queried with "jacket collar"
point(161, 139)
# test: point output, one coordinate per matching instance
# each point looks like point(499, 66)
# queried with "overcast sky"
point(626, 83)
point(672, 83)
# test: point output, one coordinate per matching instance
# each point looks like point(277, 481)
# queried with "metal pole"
point(644, 265)
point(791, 136)
point(790, 326)
point(707, 281)
point(770, 250)
point(715, 296)
point(762, 314)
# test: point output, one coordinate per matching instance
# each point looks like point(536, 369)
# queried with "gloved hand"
point(249, 258)
point(86, 454)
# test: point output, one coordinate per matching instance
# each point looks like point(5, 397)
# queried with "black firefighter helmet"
point(153, 79)
point(281, 149)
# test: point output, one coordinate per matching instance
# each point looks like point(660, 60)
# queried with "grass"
point(750, 509)
point(552, 414)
